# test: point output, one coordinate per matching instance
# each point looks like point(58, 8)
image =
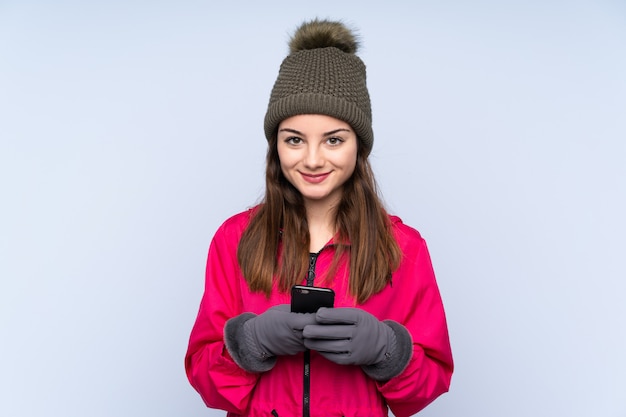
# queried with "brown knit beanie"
point(322, 75)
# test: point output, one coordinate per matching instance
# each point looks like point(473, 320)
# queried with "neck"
point(321, 221)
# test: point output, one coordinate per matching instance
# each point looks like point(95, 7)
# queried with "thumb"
point(283, 308)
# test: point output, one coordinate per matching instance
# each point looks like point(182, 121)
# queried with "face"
point(317, 155)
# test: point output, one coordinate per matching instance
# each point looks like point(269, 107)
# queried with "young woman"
point(385, 343)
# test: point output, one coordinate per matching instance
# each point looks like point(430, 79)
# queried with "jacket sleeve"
point(429, 372)
point(211, 371)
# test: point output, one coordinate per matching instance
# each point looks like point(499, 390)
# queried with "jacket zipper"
point(310, 276)
point(306, 400)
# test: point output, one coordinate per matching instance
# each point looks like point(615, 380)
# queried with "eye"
point(293, 140)
point(334, 141)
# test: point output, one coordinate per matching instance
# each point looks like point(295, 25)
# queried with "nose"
point(313, 158)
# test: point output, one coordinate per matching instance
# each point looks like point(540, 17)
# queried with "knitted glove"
point(254, 341)
point(351, 336)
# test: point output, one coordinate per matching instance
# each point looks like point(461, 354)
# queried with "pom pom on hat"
point(322, 75)
point(323, 34)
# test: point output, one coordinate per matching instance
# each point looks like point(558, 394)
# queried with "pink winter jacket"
point(411, 299)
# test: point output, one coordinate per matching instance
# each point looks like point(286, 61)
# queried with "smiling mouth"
point(314, 179)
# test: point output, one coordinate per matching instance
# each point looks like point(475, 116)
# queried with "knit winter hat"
point(322, 75)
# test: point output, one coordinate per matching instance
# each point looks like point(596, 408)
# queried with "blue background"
point(129, 130)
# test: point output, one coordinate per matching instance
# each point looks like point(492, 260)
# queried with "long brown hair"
point(279, 224)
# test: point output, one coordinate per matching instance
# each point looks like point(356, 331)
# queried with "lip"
point(314, 178)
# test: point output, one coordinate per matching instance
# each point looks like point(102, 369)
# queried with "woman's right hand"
point(254, 341)
point(277, 332)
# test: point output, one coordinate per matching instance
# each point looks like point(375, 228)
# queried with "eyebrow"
point(332, 132)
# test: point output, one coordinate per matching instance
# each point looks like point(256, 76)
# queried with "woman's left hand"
point(350, 336)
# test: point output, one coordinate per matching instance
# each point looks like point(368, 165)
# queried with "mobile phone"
point(306, 299)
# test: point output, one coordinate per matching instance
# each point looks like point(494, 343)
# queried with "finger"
point(339, 315)
point(301, 320)
point(339, 358)
point(329, 331)
point(328, 346)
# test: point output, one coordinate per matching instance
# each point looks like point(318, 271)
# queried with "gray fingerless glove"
point(352, 336)
point(254, 341)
